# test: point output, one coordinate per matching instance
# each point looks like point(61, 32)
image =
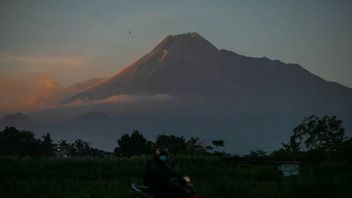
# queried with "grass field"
point(212, 177)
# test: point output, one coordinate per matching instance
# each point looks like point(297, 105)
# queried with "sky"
point(49, 44)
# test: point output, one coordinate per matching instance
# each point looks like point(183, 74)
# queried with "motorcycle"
point(184, 186)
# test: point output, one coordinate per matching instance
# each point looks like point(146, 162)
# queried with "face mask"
point(163, 158)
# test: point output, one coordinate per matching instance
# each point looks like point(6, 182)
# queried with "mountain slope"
point(276, 81)
point(83, 86)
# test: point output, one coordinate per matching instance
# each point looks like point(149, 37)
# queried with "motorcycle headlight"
point(186, 179)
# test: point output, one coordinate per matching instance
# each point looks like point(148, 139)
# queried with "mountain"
point(187, 65)
point(186, 86)
point(18, 120)
point(189, 56)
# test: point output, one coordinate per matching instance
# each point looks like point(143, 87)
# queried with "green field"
point(212, 176)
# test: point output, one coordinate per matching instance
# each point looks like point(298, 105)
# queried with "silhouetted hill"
point(18, 120)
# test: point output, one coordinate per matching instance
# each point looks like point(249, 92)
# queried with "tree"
point(209, 148)
point(195, 147)
point(134, 144)
point(320, 134)
point(290, 151)
point(345, 150)
point(218, 144)
point(64, 148)
point(80, 148)
point(48, 148)
point(176, 145)
point(19, 143)
point(194, 142)
point(292, 146)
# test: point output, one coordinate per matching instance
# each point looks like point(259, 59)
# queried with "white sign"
point(289, 169)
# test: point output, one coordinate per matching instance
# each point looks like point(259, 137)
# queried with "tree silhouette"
point(63, 148)
point(195, 147)
point(194, 142)
point(23, 143)
point(290, 151)
point(48, 147)
point(320, 134)
point(134, 144)
point(19, 143)
point(80, 148)
point(176, 145)
point(218, 144)
point(209, 148)
point(345, 150)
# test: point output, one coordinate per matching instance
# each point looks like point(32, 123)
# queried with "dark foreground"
point(213, 177)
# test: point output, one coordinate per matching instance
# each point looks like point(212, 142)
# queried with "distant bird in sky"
point(129, 32)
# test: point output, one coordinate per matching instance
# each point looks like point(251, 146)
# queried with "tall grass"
point(212, 176)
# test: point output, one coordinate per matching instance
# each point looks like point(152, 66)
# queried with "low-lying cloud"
point(122, 99)
point(46, 93)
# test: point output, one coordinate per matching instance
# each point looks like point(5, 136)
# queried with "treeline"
point(314, 139)
point(136, 144)
point(24, 143)
point(14, 142)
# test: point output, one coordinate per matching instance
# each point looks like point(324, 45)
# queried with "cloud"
point(66, 69)
point(14, 62)
point(11, 89)
point(44, 93)
point(122, 99)
point(26, 81)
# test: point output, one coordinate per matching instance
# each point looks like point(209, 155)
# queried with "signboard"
point(289, 169)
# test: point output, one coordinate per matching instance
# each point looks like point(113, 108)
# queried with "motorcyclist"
point(159, 176)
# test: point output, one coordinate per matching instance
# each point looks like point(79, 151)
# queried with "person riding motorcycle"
point(159, 176)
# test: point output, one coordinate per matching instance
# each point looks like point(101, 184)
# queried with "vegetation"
point(32, 167)
point(23, 143)
point(133, 145)
point(218, 144)
point(137, 145)
point(14, 142)
point(212, 176)
point(317, 139)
